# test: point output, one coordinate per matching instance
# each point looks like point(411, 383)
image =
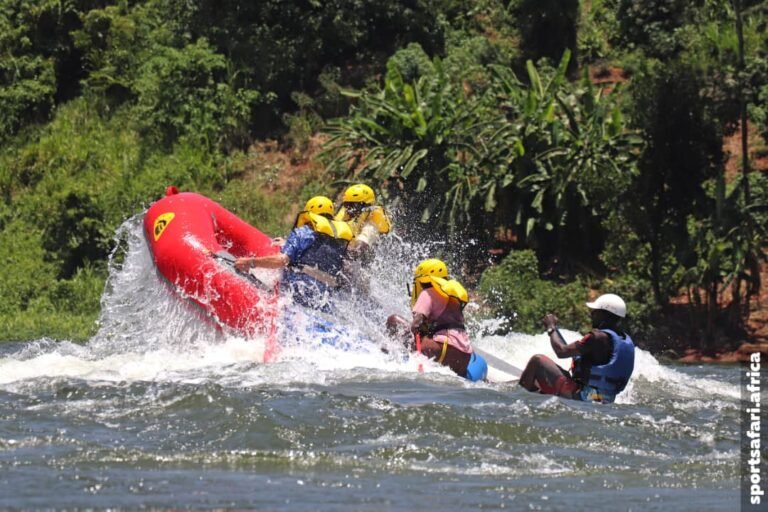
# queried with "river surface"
point(162, 410)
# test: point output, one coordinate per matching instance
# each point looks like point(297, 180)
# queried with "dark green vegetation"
point(586, 136)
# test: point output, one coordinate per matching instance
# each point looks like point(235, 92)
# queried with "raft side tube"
point(183, 230)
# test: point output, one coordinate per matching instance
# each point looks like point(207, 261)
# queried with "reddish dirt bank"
point(740, 355)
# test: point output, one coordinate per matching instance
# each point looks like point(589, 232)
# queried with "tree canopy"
point(589, 135)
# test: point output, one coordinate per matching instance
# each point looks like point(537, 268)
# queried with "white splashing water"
point(148, 333)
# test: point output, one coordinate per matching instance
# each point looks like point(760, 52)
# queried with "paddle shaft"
point(418, 349)
point(225, 256)
point(500, 364)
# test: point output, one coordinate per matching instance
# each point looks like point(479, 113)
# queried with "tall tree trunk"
point(753, 287)
point(743, 104)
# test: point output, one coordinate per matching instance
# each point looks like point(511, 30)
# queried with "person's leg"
point(441, 351)
point(432, 348)
point(545, 376)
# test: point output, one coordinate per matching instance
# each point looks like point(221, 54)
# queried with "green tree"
point(683, 150)
point(416, 136)
point(728, 257)
point(40, 65)
point(565, 153)
point(279, 46)
point(548, 29)
point(551, 152)
point(655, 26)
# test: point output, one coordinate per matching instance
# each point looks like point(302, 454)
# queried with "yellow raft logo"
point(161, 222)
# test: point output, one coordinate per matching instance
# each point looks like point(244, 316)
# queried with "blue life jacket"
point(611, 378)
point(330, 242)
point(326, 254)
point(311, 246)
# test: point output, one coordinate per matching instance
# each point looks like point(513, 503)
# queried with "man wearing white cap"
point(603, 360)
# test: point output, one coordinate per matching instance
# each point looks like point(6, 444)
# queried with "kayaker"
point(367, 219)
point(603, 360)
point(312, 255)
point(437, 327)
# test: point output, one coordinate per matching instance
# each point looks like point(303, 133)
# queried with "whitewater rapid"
point(146, 332)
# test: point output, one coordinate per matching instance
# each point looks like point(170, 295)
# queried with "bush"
point(185, 93)
point(31, 325)
point(265, 211)
point(34, 302)
point(39, 66)
point(514, 290)
point(27, 88)
point(26, 274)
point(643, 314)
point(655, 26)
point(79, 296)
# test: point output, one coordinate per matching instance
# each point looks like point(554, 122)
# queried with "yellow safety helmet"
point(429, 268)
point(424, 274)
point(359, 193)
point(319, 205)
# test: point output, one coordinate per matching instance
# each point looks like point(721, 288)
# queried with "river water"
point(161, 410)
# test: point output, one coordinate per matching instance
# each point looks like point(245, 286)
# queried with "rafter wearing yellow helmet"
point(312, 256)
point(359, 209)
point(437, 306)
point(424, 273)
point(318, 214)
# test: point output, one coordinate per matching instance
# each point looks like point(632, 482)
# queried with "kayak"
point(499, 370)
point(194, 241)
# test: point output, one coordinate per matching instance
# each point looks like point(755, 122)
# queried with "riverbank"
point(740, 355)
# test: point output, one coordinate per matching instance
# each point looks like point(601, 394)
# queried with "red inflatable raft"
point(193, 241)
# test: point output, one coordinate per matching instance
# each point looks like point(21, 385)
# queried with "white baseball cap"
point(611, 303)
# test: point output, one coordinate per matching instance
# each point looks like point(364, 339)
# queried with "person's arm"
point(278, 260)
point(418, 321)
point(562, 349)
point(428, 305)
point(297, 242)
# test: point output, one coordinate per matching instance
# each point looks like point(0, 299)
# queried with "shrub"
point(514, 290)
point(26, 274)
point(186, 93)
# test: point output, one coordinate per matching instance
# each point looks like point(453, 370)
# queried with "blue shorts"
point(477, 369)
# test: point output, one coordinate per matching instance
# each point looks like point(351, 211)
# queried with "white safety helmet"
point(610, 303)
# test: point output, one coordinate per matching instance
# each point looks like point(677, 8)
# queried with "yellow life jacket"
point(334, 228)
point(374, 215)
point(448, 288)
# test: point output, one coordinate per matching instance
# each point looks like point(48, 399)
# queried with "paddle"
point(228, 258)
point(271, 345)
point(500, 364)
point(418, 349)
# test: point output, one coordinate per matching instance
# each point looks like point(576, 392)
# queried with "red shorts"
point(563, 386)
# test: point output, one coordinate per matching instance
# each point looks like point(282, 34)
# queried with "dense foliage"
point(533, 156)
point(585, 136)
